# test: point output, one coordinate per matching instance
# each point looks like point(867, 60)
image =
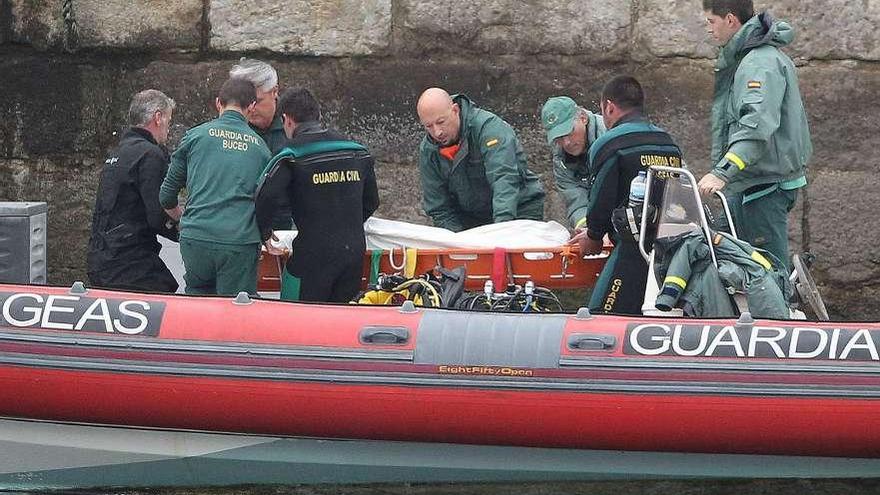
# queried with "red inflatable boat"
point(93, 364)
point(102, 388)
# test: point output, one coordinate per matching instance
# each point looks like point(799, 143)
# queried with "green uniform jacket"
point(740, 266)
point(219, 163)
point(760, 133)
point(488, 180)
point(573, 174)
point(274, 136)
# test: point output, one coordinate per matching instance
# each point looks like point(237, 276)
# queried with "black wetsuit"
point(276, 141)
point(633, 144)
point(331, 186)
point(123, 250)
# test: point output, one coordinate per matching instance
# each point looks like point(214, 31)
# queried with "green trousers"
point(763, 222)
point(224, 269)
point(291, 287)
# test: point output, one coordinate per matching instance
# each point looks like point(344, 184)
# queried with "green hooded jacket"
point(487, 181)
point(760, 133)
point(683, 261)
point(572, 173)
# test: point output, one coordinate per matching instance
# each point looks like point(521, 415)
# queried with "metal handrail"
point(723, 199)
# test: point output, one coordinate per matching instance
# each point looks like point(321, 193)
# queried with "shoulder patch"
point(491, 142)
point(754, 84)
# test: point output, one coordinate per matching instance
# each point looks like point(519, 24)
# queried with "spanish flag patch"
point(754, 84)
point(491, 142)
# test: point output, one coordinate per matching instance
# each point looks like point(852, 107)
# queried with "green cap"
point(558, 117)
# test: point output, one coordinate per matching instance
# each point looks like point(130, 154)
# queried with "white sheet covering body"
point(515, 234)
point(392, 234)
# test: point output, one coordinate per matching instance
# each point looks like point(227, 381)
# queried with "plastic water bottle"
point(637, 190)
point(489, 289)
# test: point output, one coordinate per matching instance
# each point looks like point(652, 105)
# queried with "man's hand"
point(270, 246)
point(586, 245)
point(710, 184)
point(175, 213)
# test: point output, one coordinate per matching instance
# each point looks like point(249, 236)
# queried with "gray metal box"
point(23, 242)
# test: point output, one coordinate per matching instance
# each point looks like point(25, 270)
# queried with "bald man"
point(472, 166)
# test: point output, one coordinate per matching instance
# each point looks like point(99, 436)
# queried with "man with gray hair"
point(264, 120)
point(571, 130)
point(123, 251)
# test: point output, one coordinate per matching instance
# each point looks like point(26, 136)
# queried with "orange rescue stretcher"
point(560, 267)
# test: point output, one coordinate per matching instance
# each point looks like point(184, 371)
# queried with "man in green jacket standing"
point(219, 163)
point(571, 130)
point(760, 136)
point(472, 166)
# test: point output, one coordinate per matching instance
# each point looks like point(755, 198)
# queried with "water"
point(692, 487)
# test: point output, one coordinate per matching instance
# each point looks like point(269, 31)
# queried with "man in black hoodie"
point(123, 250)
point(330, 184)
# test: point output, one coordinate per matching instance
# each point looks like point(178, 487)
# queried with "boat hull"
point(642, 386)
point(350, 405)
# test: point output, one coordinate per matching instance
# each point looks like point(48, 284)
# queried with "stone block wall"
point(69, 67)
point(332, 28)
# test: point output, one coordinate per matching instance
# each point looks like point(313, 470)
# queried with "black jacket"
point(331, 186)
point(127, 213)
